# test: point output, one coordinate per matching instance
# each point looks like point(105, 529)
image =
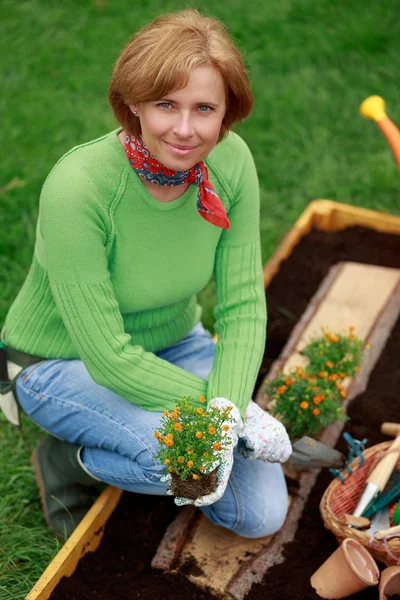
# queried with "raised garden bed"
point(120, 568)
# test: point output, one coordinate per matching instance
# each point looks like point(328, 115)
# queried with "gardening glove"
point(225, 460)
point(263, 437)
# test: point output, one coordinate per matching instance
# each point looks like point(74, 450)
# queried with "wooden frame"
point(322, 214)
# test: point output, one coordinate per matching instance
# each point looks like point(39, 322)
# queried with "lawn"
point(311, 65)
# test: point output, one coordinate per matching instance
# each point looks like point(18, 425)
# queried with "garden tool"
point(392, 531)
point(310, 454)
point(374, 108)
point(379, 521)
point(396, 515)
point(379, 477)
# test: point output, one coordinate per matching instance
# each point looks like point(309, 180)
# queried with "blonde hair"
point(160, 56)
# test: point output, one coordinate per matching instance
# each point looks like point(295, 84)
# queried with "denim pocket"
point(34, 376)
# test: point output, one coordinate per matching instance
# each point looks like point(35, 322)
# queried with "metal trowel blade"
point(379, 521)
point(310, 454)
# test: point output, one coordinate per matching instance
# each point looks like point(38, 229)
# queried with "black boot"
point(66, 489)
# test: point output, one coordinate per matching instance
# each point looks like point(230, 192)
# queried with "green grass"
point(311, 64)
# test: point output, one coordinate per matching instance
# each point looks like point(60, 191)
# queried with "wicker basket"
point(341, 498)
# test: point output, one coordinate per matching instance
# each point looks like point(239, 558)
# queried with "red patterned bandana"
point(147, 167)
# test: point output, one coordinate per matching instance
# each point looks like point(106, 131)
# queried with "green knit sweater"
point(115, 275)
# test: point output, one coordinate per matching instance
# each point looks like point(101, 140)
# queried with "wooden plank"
point(86, 538)
point(352, 294)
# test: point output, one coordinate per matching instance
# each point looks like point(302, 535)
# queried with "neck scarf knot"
point(148, 168)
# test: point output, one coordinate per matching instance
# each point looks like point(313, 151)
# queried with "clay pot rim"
point(369, 558)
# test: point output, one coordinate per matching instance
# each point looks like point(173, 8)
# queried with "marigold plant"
point(192, 438)
point(310, 398)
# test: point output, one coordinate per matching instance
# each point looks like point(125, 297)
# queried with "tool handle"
point(380, 475)
point(391, 429)
point(384, 532)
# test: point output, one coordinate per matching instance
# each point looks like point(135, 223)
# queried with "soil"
point(121, 569)
point(193, 489)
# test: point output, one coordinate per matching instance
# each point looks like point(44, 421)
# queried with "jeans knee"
point(264, 521)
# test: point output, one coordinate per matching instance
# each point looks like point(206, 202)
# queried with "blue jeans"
point(118, 442)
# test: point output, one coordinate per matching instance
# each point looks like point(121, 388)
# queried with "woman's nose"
point(183, 126)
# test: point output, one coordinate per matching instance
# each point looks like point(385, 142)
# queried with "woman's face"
point(182, 128)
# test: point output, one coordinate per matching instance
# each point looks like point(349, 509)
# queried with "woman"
point(131, 227)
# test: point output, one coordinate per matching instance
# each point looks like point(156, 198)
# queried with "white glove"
point(226, 456)
point(263, 436)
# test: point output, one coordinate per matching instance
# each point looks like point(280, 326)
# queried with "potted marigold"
point(191, 441)
point(308, 399)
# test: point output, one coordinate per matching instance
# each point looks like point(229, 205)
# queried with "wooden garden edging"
point(322, 214)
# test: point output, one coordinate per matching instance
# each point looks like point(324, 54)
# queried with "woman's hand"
point(263, 437)
point(225, 463)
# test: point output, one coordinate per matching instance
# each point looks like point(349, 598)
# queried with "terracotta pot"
point(390, 583)
point(347, 571)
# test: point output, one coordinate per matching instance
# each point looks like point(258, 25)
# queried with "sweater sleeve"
point(240, 311)
point(76, 230)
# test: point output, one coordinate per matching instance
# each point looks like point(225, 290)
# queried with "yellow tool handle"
point(384, 532)
point(391, 429)
point(380, 475)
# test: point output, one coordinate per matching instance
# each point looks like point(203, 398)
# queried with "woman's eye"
point(164, 104)
point(205, 108)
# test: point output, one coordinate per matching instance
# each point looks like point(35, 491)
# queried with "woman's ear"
point(133, 109)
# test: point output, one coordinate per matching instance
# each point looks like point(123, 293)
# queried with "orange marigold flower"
point(322, 374)
point(343, 393)
point(190, 451)
point(167, 461)
point(156, 434)
point(316, 412)
point(181, 460)
point(351, 328)
point(281, 389)
point(225, 427)
point(174, 415)
point(331, 337)
point(333, 377)
point(304, 405)
point(299, 371)
point(211, 430)
point(170, 469)
point(195, 477)
point(201, 469)
point(318, 399)
point(169, 443)
point(216, 446)
point(178, 426)
point(329, 364)
point(339, 385)
point(190, 463)
point(289, 381)
point(199, 435)
point(161, 438)
point(205, 454)
point(165, 413)
point(202, 399)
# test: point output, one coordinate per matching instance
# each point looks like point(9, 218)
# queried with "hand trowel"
point(310, 454)
point(379, 521)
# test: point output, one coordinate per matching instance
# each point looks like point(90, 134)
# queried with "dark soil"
point(120, 568)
